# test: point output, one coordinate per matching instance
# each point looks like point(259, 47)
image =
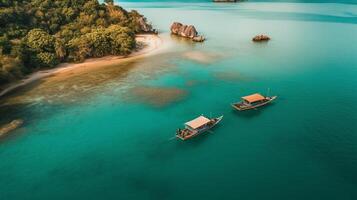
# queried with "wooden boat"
point(197, 126)
point(253, 101)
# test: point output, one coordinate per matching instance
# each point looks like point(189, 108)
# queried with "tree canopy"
point(42, 33)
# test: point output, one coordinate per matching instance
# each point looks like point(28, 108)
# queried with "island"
point(37, 35)
point(261, 38)
point(187, 31)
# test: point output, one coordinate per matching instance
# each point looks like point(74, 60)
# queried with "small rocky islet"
point(261, 38)
point(187, 31)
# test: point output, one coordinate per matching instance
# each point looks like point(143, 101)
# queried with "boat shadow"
point(167, 150)
point(253, 112)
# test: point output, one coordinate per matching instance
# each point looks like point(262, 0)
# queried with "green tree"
point(41, 33)
point(39, 40)
point(10, 68)
point(122, 40)
point(60, 49)
point(78, 49)
point(46, 59)
point(43, 45)
point(5, 45)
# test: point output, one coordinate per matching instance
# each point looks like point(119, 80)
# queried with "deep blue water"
point(107, 133)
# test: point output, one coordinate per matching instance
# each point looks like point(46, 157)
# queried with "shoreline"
point(150, 42)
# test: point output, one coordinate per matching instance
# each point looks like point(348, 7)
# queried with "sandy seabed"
point(148, 45)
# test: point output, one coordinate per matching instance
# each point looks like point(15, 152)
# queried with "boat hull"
point(200, 131)
point(235, 105)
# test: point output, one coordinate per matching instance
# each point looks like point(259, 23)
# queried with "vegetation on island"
point(38, 34)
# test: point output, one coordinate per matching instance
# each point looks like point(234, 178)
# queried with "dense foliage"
point(42, 33)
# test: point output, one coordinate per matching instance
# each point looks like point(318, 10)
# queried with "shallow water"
point(106, 134)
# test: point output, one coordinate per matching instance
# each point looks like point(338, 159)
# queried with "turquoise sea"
point(107, 133)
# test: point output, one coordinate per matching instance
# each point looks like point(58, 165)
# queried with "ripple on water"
point(230, 76)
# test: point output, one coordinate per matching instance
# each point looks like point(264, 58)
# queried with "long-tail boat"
point(197, 126)
point(253, 101)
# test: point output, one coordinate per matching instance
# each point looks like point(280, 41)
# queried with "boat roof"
point(198, 122)
point(254, 97)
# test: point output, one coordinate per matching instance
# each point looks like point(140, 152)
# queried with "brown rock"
point(188, 31)
point(198, 38)
point(260, 38)
point(145, 27)
point(10, 126)
point(175, 28)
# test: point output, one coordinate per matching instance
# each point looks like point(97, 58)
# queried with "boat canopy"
point(254, 98)
point(198, 122)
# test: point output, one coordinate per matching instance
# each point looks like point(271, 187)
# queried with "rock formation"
point(260, 38)
point(199, 38)
point(10, 126)
point(188, 31)
point(146, 27)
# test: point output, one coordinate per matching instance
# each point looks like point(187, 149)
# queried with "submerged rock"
point(10, 126)
point(260, 38)
point(157, 96)
point(188, 31)
point(202, 57)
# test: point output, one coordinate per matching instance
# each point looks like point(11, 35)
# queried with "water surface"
point(106, 134)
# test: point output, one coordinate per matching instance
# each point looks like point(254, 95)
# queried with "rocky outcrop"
point(260, 38)
point(188, 31)
point(144, 26)
point(10, 126)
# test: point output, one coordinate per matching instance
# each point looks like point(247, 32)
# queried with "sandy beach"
point(148, 44)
